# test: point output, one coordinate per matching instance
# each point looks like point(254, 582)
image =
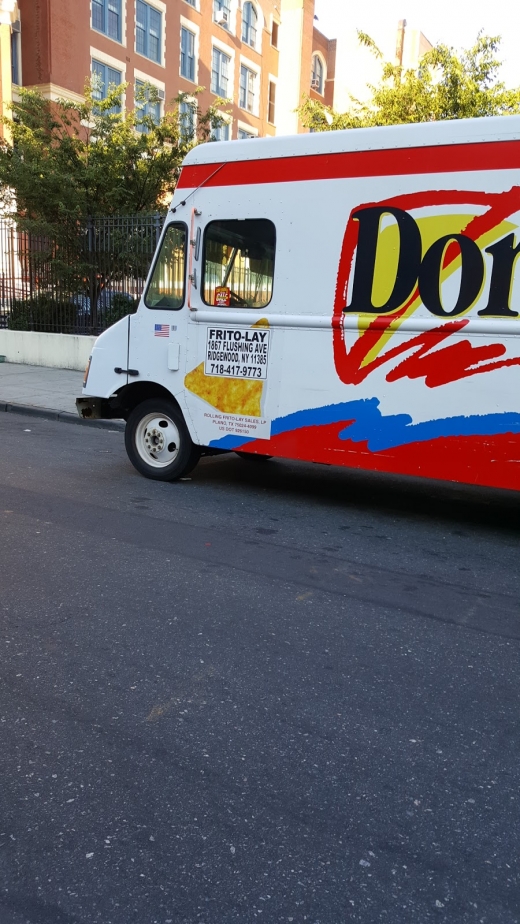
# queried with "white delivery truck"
point(348, 297)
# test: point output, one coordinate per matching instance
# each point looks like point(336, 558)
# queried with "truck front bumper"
point(98, 409)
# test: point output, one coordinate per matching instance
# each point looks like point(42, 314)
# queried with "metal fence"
point(79, 282)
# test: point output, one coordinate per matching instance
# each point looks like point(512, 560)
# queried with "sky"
point(453, 22)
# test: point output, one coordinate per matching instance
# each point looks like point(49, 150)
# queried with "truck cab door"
point(231, 373)
point(158, 331)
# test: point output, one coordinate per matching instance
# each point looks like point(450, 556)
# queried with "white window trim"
point(227, 117)
point(230, 52)
point(271, 79)
point(123, 24)
point(195, 30)
point(158, 5)
point(277, 21)
point(109, 60)
point(189, 24)
point(260, 26)
point(159, 84)
point(232, 30)
point(252, 65)
point(161, 8)
point(123, 42)
point(140, 75)
point(222, 46)
point(191, 99)
point(318, 54)
point(256, 69)
point(246, 127)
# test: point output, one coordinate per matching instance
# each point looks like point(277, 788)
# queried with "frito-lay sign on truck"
point(351, 298)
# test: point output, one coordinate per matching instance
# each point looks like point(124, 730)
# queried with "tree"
point(446, 85)
point(70, 162)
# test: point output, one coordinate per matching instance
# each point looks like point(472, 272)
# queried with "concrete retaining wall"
point(60, 351)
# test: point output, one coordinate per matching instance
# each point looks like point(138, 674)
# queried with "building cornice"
point(54, 92)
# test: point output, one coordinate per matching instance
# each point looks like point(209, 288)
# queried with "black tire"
point(157, 441)
point(252, 456)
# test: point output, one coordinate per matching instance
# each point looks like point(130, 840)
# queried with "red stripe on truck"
point(448, 158)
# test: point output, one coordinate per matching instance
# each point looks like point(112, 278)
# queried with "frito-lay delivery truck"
point(347, 297)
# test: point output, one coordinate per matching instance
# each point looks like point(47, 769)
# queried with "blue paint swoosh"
point(367, 424)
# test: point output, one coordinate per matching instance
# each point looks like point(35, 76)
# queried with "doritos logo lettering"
point(447, 252)
point(413, 269)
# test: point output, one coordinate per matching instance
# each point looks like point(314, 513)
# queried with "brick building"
point(262, 55)
point(228, 47)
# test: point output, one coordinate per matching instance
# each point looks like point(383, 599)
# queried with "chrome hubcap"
point(157, 440)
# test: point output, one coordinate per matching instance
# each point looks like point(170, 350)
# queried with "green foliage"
point(447, 85)
point(43, 313)
point(72, 160)
point(120, 306)
point(55, 313)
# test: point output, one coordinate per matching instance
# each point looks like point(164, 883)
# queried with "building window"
point(187, 54)
point(249, 20)
point(317, 74)
point(222, 12)
point(220, 132)
point(15, 58)
point(148, 31)
point(146, 108)
point(239, 255)
point(242, 135)
point(106, 18)
point(192, 3)
point(247, 89)
point(103, 77)
point(271, 102)
point(187, 120)
point(220, 73)
point(274, 35)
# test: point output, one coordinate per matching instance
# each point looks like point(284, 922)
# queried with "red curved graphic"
point(488, 461)
point(448, 364)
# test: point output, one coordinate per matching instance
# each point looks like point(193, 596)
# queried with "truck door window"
point(239, 263)
point(166, 287)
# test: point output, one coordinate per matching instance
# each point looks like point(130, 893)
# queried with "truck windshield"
point(239, 262)
point(166, 287)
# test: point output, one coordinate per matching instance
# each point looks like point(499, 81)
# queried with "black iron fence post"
point(92, 283)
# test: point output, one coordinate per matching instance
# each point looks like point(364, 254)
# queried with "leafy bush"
point(42, 313)
point(120, 305)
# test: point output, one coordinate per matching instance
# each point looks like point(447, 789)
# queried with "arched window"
point(317, 74)
point(249, 20)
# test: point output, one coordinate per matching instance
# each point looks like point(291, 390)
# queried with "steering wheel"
point(235, 299)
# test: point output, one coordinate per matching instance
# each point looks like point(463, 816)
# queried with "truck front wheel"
point(157, 441)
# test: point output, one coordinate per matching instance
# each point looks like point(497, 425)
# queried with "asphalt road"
point(273, 692)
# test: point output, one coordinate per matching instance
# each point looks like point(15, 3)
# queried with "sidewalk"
point(44, 392)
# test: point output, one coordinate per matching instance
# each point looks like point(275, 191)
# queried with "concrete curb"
point(48, 413)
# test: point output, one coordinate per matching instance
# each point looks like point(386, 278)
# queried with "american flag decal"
point(161, 330)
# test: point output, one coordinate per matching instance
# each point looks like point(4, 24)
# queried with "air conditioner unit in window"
point(221, 17)
point(160, 94)
point(315, 85)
